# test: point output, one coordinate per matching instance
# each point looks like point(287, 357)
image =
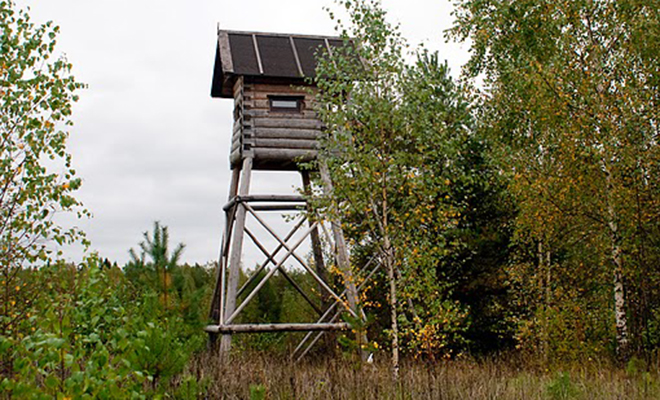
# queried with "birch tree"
point(392, 136)
point(37, 180)
point(572, 92)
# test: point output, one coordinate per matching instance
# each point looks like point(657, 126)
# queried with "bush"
point(91, 335)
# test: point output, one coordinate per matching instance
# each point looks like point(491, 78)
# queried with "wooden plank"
point(238, 85)
point(285, 143)
point(225, 52)
point(237, 128)
point(295, 55)
point(264, 113)
point(295, 123)
point(235, 144)
point(284, 155)
point(278, 207)
point(262, 95)
point(257, 53)
point(235, 157)
point(264, 198)
point(265, 87)
point(247, 328)
point(284, 133)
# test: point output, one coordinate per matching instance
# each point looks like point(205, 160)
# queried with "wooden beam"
point(225, 52)
point(286, 133)
point(295, 55)
point(264, 198)
point(256, 52)
point(290, 123)
point(279, 207)
point(235, 257)
point(284, 154)
point(285, 143)
point(219, 289)
point(247, 328)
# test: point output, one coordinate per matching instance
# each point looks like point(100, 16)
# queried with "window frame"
point(300, 102)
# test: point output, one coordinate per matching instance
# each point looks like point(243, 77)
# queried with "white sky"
point(148, 141)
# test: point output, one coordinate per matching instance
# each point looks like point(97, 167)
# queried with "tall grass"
point(256, 376)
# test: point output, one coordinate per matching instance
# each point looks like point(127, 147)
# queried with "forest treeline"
point(511, 212)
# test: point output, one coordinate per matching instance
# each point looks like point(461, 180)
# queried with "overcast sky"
point(148, 141)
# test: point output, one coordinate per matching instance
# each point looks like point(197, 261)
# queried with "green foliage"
point(570, 103)
point(257, 392)
point(92, 335)
point(157, 271)
point(77, 340)
point(562, 388)
point(412, 183)
point(37, 179)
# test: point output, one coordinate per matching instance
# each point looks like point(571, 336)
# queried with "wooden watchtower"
point(275, 128)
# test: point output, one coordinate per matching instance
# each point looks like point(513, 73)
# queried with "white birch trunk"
point(620, 317)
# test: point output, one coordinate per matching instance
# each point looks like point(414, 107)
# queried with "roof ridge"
point(277, 34)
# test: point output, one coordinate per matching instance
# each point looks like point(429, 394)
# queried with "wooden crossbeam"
point(296, 327)
point(263, 198)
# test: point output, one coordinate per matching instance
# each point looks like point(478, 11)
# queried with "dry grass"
point(260, 377)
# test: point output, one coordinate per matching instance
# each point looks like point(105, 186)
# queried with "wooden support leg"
point(317, 249)
point(217, 301)
point(319, 263)
point(235, 255)
point(343, 261)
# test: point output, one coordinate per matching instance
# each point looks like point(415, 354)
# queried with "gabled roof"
point(268, 55)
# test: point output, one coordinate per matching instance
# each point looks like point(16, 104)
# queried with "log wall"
point(277, 140)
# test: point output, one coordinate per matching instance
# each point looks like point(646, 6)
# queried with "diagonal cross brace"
point(270, 256)
point(331, 308)
point(268, 276)
point(314, 275)
point(282, 271)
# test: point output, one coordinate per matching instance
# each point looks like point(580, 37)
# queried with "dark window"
point(286, 103)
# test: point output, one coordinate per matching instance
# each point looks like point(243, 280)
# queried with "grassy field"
point(260, 377)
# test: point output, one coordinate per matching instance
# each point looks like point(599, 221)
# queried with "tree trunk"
point(343, 262)
point(544, 267)
point(388, 258)
point(620, 317)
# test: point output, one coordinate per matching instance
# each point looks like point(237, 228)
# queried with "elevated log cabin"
point(266, 75)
